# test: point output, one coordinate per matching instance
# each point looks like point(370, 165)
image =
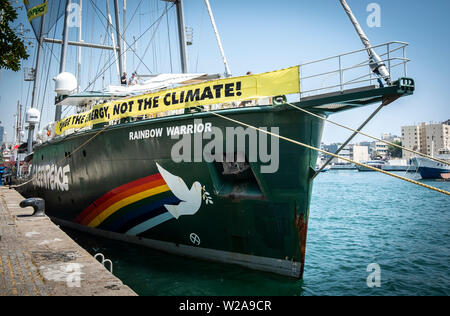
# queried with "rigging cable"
point(367, 135)
point(129, 47)
point(325, 152)
point(274, 135)
point(151, 42)
point(115, 28)
point(200, 38)
point(168, 39)
point(48, 74)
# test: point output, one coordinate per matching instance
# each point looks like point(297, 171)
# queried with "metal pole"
point(116, 58)
point(65, 37)
point(20, 123)
point(82, 44)
point(62, 65)
point(35, 84)
point(123, 35)
point(341, 74)
point(79, 48)
point(219, 42)
point(182, 36)
point(383, 104)
point(119, 40)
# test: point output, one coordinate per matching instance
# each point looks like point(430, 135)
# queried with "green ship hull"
point(255, 219)
point(124, 182)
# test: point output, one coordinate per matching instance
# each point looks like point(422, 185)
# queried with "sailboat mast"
point(62, 64)
point(65, 38)
point(119, 40)
point(123, 35)
point(110, 25)
point(79, 48)
point(36, 83)
point(182, 36)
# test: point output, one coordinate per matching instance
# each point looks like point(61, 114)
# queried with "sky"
point(257, 36)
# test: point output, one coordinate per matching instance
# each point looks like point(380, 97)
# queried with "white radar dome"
point(33, 116)
point(65, 83)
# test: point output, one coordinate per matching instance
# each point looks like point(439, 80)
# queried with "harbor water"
point(363, 227)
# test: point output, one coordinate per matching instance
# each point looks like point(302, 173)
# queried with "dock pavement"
point(38, 259)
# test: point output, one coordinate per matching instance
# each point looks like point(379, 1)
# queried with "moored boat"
point(373, 163)
point(162, 167)
point(432, 169)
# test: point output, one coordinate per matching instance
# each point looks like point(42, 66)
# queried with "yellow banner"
point(37, 11)
point(268, 84)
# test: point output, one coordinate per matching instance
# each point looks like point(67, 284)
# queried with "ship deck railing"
point(320, 80)
point(351, 70)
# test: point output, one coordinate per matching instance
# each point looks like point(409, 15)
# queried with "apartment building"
point(425, 138)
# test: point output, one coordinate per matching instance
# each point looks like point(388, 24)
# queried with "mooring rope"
point(367, 135)
point(65, 157)
point(328, 153)
point(274, 135)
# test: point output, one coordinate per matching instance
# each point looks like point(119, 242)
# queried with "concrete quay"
point(38, 259)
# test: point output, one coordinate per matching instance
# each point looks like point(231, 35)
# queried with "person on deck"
point(123, 79)
point(133, 80)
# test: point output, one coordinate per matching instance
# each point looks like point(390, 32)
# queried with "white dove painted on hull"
point(191, 200)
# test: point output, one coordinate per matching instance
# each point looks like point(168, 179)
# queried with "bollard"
point(37, 204)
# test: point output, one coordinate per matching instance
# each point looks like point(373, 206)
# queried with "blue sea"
point(368, 234)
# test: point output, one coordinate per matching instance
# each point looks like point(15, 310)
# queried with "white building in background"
point(425, 138)
point(346, 152)
point(390, 138)
point(437, 138)
point(382, 149)
point(360, 153)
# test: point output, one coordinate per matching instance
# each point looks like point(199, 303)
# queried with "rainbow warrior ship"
point(201, 165)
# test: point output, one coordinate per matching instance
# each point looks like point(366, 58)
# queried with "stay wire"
point(327, 153)
point(128, 48)
point(367, 135)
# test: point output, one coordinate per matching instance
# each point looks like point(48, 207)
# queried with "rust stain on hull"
point(301, 223)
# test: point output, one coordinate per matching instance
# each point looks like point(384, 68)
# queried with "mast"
point(182, 35)
point(62, 65)
point(110, 25)
point(79, 48)
point(35, 84)
point(123, 35)
point(376, 64)
point(219, 42)
point(119, 41)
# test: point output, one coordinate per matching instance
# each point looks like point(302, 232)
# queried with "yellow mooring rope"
point(330, 154)
point(275, 135)
point(367, 135)
point(74, 151)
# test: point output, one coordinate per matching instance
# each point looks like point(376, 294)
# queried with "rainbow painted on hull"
point(131, 205)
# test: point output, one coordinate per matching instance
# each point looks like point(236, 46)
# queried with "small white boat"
point(398, 165)
point(373, 163)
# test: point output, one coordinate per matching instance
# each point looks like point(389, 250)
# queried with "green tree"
point(12, 48)
point(395, 152)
